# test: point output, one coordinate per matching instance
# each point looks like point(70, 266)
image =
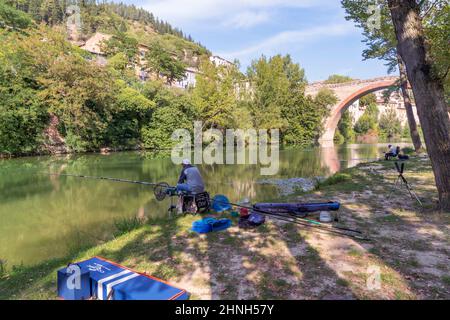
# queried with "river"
point(44, 216)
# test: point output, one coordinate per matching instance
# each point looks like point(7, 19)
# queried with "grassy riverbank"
point(410, 246)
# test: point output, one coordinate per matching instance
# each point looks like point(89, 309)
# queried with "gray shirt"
point(192, 177)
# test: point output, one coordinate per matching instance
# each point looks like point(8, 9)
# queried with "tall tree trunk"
point(428, 92)
point(408, 106)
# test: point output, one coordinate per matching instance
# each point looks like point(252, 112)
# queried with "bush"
point(164, 122)
point(390, 125)
point(338, 137)
point(22, 121)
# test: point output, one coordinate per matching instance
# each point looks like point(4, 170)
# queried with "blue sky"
point(314, 32)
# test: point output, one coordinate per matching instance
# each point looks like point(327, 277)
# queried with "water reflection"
point(45, 216)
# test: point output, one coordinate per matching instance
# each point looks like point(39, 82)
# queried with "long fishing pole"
point(317, 225)
point(104, 178)
point(315, 222)
point(302, 221)
point(297, 218)
point(330, 230)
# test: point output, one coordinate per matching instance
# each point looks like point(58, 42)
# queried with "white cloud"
point(247, 19)
point(287, 39)
point(189, 12)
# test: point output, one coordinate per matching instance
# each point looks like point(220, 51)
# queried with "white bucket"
point(325, 216)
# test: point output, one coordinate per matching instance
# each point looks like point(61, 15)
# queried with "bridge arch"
point(347, 93)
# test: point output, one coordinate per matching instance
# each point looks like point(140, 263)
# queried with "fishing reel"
point(162, 190)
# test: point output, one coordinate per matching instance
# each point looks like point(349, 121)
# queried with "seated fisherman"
point(190, 179)
point(391, 153)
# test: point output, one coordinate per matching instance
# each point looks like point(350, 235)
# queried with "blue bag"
point(210, 224)
point(256, 219)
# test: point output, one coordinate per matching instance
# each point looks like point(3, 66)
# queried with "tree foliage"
point(214, 96)
point(381, 43)
point(390, 125)
point(123, 44)
point(336, 78)
point(13, 19)
point(94, 15)
point(164, 64)
point(345, 127)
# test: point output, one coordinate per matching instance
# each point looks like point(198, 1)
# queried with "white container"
point(325, 216)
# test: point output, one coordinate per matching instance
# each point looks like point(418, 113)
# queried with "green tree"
point(161, 62)
point(52, 12)
point(336, 78)
point(390, 125)
point(368, 100)
point(345, 127)
point(369, 120)
point(165, 121)
point(133, 111)
point(13, 19)
point(381, 43)
point(428, 88)
point(214, 96)
point(270, 87)
point(324, 100)
point(23, 115)
point(278, 100)
point(121, 43)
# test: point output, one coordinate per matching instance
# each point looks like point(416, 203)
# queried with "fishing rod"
point(104, 178)
point(304, 222)
point(161, 189)
point(330, 230)
point(297, 218)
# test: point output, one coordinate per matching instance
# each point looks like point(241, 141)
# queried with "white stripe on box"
point(101, 281)
point(111, 284)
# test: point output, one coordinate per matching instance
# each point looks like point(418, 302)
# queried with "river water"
point(44, 216)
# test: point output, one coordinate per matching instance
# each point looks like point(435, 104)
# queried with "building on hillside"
point(94, 46)
point(243, 89)
point(395, 101)
point(219, 61)
point(141, 66)
point(189, 80)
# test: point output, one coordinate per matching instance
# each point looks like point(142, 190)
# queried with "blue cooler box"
point(109, 280)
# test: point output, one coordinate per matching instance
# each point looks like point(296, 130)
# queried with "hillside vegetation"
point(55, 97)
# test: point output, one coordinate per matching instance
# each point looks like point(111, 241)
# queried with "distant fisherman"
point(393, 152)
point(190, 178)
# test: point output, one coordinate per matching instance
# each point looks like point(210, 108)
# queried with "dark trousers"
point(388, 155)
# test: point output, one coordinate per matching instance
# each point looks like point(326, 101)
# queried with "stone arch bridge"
point(347, 93)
